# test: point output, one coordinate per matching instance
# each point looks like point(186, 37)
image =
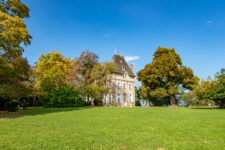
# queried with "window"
point(124, 85)
point(123, 67)
point(118, 85)
point(131, 98)
point(130, 87)
point(118, 98)
point(124, 98)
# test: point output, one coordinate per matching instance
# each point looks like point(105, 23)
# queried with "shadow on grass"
point(38, 111)
point(206, 108)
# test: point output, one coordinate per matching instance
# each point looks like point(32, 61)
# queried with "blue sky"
point(195, 28)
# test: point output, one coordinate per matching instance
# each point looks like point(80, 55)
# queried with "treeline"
point(54, 81)
point(58, 81)
point(166, 81)
point(64, 82)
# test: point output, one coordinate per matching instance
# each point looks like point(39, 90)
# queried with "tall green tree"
point(137, 97)
point(162, 77)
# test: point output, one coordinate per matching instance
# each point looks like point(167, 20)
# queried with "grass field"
point(113, 128)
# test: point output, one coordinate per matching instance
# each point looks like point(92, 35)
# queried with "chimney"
point(131, 67)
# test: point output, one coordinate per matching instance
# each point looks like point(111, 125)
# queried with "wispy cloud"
point(131, 58)
point(209, 22)
point(107, 35)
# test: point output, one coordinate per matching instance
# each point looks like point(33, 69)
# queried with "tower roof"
point(121, 65)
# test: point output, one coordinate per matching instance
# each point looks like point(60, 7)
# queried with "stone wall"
point(123, 92)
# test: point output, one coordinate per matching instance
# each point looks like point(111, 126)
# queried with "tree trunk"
point(172, 100)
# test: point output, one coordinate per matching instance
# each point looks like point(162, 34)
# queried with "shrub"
point(12, 105)
point(97, 102)
point(63, 97)
point(24, 103)
point(4, 99)
point(137, 102)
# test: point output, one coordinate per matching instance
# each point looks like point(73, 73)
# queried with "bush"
point(4, 99)
point(63, 97)
point(97, 102)
point(24, 103)
point(137, 102)
point(12, 105)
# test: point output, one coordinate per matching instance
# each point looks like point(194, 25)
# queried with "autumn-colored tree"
point(14, 69)
point(82, 68)
point(162, 77)
point(101, 75)
point(202, 90)
point(213, 89)
point(50, 71)
point(80, 74)
point(13, 31)
point(13, 77)
point(92, 77)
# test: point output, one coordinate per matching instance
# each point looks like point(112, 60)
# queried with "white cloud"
point(107, 35)
point(209, 22)
point(131, 58)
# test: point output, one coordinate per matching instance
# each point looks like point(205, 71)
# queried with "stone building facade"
point(123, 84)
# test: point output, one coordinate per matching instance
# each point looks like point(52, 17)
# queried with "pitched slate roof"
point(121, 65)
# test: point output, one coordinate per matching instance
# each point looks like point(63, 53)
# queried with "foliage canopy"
point(213, 89)
point(14, 69)
point(162, 77)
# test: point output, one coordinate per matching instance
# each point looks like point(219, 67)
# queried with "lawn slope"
point(113, 128)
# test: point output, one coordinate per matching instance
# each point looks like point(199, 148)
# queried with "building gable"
point(121, 65)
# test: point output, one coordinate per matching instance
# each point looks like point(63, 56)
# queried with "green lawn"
point(113, 128)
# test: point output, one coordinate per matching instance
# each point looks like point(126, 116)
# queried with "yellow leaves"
point(187, 80)
point(13, 31)
point(101, 74)
point(143, 91)
point(173, 90)
point(17, 8)
point(159, 93)
point(53, 67)
point(165, 74)
point(172, 74)
point(205, 85)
